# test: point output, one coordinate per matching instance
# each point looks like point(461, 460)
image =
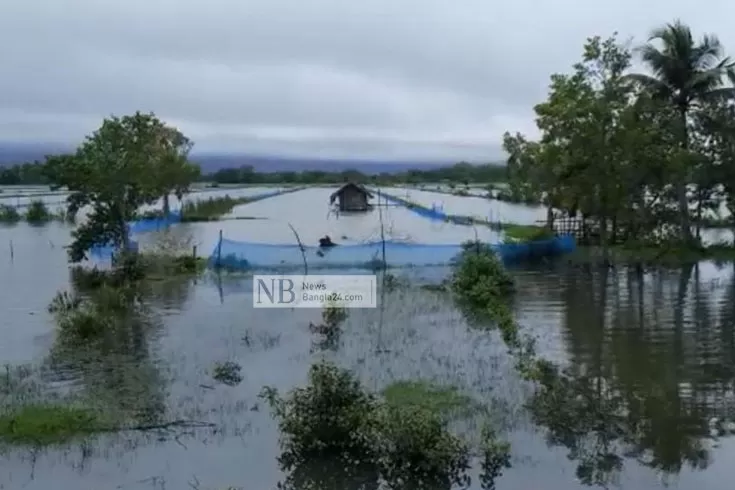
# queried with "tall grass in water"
point(211, 209)
point(9, 214)
point(38, 213)
point(526, 233)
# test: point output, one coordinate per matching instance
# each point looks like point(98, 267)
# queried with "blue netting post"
point(219, 250)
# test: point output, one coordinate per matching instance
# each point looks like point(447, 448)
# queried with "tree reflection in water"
point(650, 365)
point(103, 344)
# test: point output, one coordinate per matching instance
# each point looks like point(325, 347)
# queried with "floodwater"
point(478, 207)
point(55, 200)
point(662, 344)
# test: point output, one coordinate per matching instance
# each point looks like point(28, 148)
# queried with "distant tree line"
point(461, 173)
point(24, 174)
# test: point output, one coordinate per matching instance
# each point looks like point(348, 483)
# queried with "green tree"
point(112, 172)
point(684, 73)
point(715, 126)
point(174, 171)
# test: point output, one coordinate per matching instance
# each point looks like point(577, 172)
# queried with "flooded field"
point(664, 342)
point(55, 200)
point(477, 207)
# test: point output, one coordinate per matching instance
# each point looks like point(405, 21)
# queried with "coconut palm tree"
point(685, 72)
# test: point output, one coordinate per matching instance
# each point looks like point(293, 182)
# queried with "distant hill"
point(18, 153)
point(13, 153)
point(212, 163)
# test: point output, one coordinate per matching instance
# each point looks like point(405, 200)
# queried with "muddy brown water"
point(664, 339)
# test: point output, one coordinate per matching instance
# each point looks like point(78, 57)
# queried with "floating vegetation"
point(227, 373)
point(47, 424)
point(9, 214)
point(443, 401)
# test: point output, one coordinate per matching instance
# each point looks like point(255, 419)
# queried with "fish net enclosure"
point(238, 255)
point(155, 223)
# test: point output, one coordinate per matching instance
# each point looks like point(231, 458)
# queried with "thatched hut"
point(352, 197)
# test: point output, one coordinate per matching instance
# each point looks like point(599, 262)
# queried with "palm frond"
point(687, 68)
point(650, 84)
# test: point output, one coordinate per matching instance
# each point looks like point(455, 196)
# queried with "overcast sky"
point(416, 79)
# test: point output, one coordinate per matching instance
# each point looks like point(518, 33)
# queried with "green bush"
point(483, 289)
point(38, 213)
point(335, 434)
point(8, 214)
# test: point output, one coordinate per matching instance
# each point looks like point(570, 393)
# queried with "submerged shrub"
point(479, 277)
point(332, 417)
point(418, 452)
point(9, 214)
point(336, 434)
point(227, 373)
point(104, 311)
point(38, 213)
point(483, 289)
point(332, 316)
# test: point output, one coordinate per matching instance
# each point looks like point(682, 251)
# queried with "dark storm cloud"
point(399, 79)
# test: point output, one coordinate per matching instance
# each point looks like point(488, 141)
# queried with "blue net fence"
point(236, 255)
point(436, 213)
point(157, 223)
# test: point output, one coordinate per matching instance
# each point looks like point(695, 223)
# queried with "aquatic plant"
point(38, 213)
point(440, 400)
point(97, 314)
point(330, 328)
point(210, 209)
point(333, 314)
point(9, 214)
point(526, 233)
point(44, 424)
point(227, 373)
point(333, 431)
point(483, 288)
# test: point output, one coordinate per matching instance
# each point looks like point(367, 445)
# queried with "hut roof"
point(360, 188)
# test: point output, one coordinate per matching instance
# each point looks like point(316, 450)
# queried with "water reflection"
point(649, 372)
point(104, 349)
point(650, 361)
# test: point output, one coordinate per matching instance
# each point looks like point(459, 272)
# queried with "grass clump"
point(526, 233)
point(139, 267)
point(211, 209)
point(443, 401)
point(9, 214)
point(47, 424)
point(330, 329)
point(227, 373)
point(166, 265)
point(336, 434)
point(38, 213)
point(97, 315)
